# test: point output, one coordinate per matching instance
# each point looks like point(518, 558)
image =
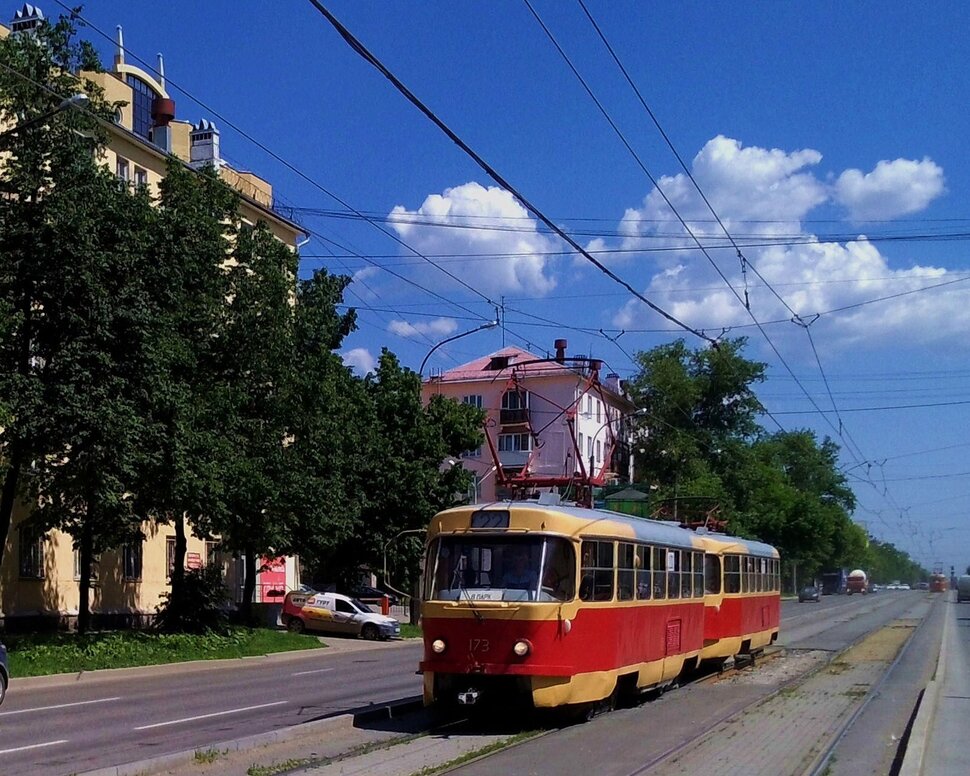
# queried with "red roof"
point(491, 367)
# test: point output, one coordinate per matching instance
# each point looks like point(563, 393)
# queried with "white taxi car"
point(336, 613)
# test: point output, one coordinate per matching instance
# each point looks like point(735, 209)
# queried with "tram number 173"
point(478, 645)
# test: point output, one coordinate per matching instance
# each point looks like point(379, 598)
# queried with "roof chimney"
point(560, 350)
point(27, 19)
point(204, 141)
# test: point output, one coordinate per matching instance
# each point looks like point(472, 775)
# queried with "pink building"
point(550, 419)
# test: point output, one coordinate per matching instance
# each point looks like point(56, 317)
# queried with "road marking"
point(317, 671)
point(33, 746)
point(207, 716)
point(58, 706)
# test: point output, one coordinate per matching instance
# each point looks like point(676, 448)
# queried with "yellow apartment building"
point(39, 575)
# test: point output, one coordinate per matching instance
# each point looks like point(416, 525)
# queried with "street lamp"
point(79, 101)
point(488, 325)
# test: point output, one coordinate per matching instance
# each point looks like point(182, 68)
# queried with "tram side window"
point(659, 572)
point(698, 575)
point(673, 573)
point(712, 574)
point(732, 574)
point(597, 571)
point(686, 578)
point(777, 574)
point(644, 585)
point(763, 574)
point(625, 573)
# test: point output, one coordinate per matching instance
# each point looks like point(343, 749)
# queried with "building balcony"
point(513, 458)
point(514, 417)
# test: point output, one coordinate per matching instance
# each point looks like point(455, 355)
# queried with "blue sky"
point(829, 137)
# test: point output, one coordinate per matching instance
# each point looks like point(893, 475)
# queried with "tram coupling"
point(469, 697)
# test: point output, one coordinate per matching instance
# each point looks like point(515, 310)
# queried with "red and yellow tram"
point(563, 605)
point(742, 604)
point(938, 583)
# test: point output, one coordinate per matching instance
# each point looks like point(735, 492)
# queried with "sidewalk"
point(936, 742)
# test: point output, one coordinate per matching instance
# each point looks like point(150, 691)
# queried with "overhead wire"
point(371, 59)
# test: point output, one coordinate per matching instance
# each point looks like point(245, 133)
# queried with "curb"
point(919, 735)
point(385, 711)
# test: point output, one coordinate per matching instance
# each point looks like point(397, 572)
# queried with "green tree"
point(183, 483)
point(253, 373)
point(698, 413)
point(37, 73)
point(330, 425)
point(412, 473)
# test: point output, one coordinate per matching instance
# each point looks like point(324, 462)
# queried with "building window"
point(31, 553)
point(475, 400)
point(141, 177)
point(514, 443)
point(598, 410)
point(599, 450)
point(213, 555)
point(93, 576)
point(169, 556)
point(122, 169)
point(476, 453)
point(589, 447)
point(131, 556)
point(142, 97)
point(589, 406)
point(515, 407)
point(580, 443)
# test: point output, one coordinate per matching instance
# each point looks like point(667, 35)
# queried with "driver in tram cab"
point(519, 575)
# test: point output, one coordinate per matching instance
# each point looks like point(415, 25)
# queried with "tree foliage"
point(699, 436)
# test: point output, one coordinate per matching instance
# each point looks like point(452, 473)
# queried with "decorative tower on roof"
point(204, 145)
point(27, 19)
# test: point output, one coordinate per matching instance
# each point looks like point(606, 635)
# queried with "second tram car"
point(742, 602)
point(561, 606)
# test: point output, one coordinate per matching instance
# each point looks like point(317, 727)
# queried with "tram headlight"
point(522, 648)
point(438, 646)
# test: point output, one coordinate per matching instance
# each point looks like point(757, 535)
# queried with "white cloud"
point(765, 195)
point(892, 189)
point(360, 360)
point(441, 327)
point(471, 219)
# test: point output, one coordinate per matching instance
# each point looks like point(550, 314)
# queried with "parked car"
point(922, 585)
point(336, 613)
point(4, 673)
point(365, 592)
point(809, 593)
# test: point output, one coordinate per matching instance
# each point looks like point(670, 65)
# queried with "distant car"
point(335, 613)
point(904, 586)
point(922, 585)
point(4, 673)
point(809, 593)
point(365, 592)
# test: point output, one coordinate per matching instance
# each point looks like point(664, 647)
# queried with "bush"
point(199, 608)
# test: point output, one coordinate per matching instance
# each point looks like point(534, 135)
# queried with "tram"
point(742, 600)
point(552, 605)
point(938, 583)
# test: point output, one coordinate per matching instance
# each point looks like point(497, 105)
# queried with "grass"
point(209, 756)
point(56, 653)
point(409, 631)
point(280, 767)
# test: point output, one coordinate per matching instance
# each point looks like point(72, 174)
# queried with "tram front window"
point(502, 568)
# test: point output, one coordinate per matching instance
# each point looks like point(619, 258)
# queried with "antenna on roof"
point(120, 56)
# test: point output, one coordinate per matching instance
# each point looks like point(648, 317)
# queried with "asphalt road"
point(621, 743)
point(76, 726)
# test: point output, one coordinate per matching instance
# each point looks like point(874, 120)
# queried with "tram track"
point(666, 762)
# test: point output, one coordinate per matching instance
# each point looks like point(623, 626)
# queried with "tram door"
point(673, 627)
